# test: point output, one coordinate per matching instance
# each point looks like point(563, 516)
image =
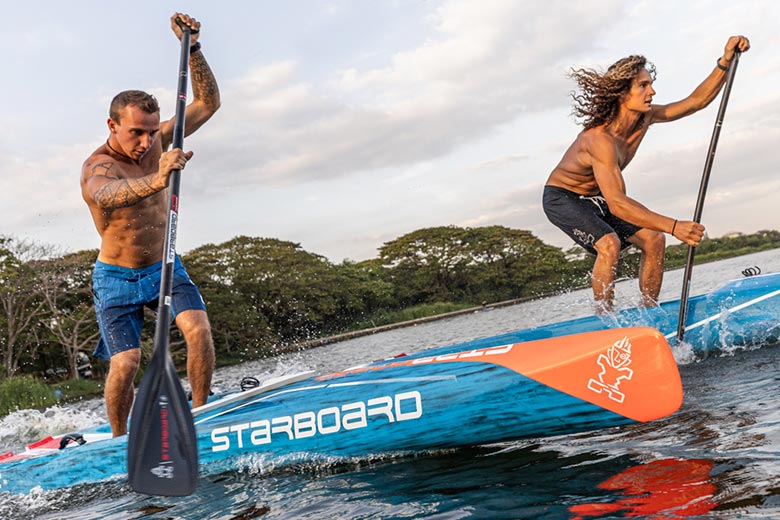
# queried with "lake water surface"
point(717, 457)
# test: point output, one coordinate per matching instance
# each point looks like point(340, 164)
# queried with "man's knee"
point(125, 364)
point(195, 325)
point(649, 241)
point(608, 247)
point(656, 242)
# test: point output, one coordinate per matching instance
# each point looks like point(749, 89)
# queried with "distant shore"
point(326, 340)
point(321, 342)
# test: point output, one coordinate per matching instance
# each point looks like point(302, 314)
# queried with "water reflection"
point(668, 488)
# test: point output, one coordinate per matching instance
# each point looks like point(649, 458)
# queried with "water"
point(718, 457)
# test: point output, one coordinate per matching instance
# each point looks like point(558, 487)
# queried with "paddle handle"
point(705, 179)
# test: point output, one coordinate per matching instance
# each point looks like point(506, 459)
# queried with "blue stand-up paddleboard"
point(460, 396)
point(567, 377)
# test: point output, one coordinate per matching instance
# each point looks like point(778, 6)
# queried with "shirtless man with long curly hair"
point(585, 195)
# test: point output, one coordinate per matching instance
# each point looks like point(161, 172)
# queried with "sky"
point(347, 124)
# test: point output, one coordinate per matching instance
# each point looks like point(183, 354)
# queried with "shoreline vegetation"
point(321, 342)
point(267, 297)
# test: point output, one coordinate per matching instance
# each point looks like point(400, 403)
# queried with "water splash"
point(684, 353)
point(25, 426)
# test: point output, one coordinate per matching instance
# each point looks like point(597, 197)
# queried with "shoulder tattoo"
point(102, 169)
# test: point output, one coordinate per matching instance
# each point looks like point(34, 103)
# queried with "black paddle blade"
point(162, 449)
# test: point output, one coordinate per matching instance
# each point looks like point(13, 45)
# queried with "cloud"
point(500, 163)
point(454, 117)
point(520, 208)
point(47, 184)
point(671, 173)
point(482, 66)
point(666, 174)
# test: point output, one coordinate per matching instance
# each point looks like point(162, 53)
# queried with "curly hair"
point(599, 99)
point(138, 98)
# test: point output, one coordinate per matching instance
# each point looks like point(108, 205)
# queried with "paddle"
point(162, 449)
point(705, 178)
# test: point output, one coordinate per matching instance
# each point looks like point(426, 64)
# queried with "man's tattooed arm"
point(204, 84)
point(205, 100)
point(121, 193)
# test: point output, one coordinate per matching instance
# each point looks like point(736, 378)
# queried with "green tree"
point(427, 265)
point(22, 308)
point(473, 265)
point(371, 283)
point(238, 324)
point(65, 284)
point(511, 263)
point(262, 291)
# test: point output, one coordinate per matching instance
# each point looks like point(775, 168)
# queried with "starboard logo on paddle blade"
point(163, 470)
point(614, 370)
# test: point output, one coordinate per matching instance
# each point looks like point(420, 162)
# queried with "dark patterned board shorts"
point(584, 219)
point(120, 295)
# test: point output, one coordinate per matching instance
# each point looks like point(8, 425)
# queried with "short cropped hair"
point(139, 98)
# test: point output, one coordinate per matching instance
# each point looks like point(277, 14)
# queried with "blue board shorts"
point(120, 295)
point(584, 219)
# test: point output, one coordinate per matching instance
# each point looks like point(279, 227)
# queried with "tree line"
point(264, 293)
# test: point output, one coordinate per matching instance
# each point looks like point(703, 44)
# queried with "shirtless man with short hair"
point(124, 185)
point(585, 195)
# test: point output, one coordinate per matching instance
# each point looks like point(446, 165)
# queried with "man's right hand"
point(689, 232)
point(175, 159)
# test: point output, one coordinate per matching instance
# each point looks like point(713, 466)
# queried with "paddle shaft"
point(162, 330)
point(705, 178)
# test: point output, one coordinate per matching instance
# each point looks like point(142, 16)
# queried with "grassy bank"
point(410, 313)
point(20, 392)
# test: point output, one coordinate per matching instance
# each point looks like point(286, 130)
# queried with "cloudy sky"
point(348, 123)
